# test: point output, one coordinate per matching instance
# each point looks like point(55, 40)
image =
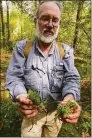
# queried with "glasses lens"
point(47, 19)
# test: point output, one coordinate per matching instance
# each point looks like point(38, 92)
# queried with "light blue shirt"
point(50, 76)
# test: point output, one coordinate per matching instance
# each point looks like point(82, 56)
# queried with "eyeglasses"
point(46, 19)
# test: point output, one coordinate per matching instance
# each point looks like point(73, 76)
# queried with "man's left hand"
point(72, 118)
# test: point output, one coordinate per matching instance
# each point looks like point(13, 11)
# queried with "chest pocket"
point(57, 77)
point(31, 78)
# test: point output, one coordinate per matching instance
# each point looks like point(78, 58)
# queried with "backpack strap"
point(61, 49)
point(28, 47)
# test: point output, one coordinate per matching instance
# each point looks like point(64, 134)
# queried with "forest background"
point(16, 23)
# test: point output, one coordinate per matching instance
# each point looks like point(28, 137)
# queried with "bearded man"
point(45, 71)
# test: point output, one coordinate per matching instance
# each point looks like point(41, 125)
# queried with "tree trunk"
point(35, 3)
point(2, 24)
point(8, 24)
point(21, 18)
point(75, 41)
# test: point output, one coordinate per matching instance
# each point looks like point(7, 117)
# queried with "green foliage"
point(81, 129)
point(42, 104)
point(36, 99)
point(69, 130)
point(10, 119)
point(66, 31)
point(84, 67)
point(34, 96)
point(21, 27)
point(67, 109)
point(85, 121)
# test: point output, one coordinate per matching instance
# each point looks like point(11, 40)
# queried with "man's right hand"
point(26, 107)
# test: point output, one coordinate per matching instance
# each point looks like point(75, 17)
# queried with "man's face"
point(48, 20)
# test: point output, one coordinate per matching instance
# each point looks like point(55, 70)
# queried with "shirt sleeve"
point(15, 72)
point(71, 82)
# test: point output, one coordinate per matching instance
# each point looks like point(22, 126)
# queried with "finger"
point(63, 102)
point(28, 107)
point(26, 112)
point(24, 100)
point(25, 107)
point(32, 115)
point(75, 115)
point(74, 121)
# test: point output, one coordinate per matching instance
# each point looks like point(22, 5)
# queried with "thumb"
point(24, 99)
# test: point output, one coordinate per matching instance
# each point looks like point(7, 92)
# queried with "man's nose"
point(50, 23)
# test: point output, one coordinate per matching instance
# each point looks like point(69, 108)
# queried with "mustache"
point(48, 31)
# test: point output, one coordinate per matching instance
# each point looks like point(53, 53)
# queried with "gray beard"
point(43, 38)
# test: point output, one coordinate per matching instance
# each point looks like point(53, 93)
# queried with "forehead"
point(49, 8)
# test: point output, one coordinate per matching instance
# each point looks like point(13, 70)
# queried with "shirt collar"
point(51, 51)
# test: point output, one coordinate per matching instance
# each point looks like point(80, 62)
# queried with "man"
point(52, 76)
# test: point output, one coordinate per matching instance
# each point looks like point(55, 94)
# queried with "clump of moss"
point(34, 96)
point(67, 109)
point(36, 99)
point(62, 110)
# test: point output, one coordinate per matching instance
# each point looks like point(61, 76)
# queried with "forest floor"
point(5, 57)
point(82, 129)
